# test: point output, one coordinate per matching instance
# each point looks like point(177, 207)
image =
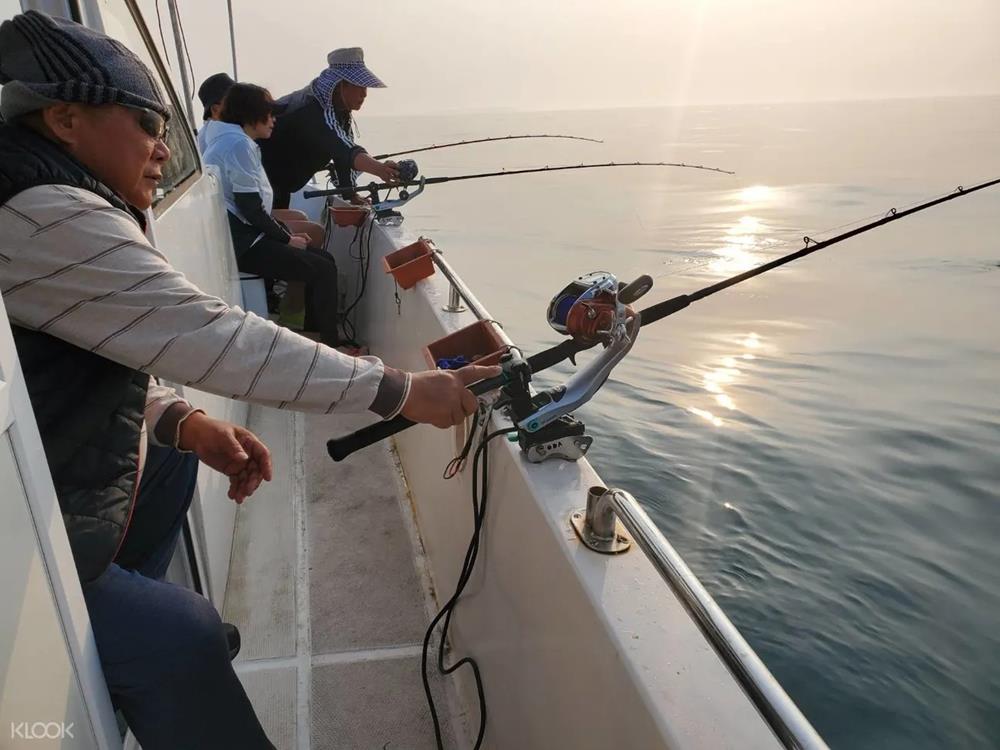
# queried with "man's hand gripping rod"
point(549, 405)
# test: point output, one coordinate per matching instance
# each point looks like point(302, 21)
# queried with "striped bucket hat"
point(348, 63)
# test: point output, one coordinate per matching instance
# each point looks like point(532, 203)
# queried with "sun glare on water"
point(757, 194)
point(739, 249)
point(716, 379)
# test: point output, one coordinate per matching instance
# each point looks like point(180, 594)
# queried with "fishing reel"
point(386, 212)
point(594, 309)
point(408, 170)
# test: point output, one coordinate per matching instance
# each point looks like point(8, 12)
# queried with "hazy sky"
point(446, 55)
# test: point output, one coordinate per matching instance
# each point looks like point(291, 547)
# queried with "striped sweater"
point(73, 266)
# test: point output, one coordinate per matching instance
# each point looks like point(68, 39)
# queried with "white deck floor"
point(329, 591)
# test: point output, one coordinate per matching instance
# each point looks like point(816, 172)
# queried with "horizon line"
point(744, 103)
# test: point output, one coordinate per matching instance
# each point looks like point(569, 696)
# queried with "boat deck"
point(328, 588)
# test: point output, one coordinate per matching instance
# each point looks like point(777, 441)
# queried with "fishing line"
point(783, 240)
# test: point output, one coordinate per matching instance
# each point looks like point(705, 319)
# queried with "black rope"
point(480, 484)
point(458, 462)
point(363, 239)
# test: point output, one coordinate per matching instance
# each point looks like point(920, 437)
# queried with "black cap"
point(213, 90)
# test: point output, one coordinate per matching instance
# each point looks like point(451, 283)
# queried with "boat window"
point(164, 41)
point(120, 23)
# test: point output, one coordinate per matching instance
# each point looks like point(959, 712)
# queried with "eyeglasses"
point(152, 123)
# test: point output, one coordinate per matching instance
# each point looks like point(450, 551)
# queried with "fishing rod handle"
point(340, 448)
point(330, 191)
point(371, 187)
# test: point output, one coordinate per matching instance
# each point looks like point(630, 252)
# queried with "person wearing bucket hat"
point(96, 312)
point(211, 93)
point(317, 127)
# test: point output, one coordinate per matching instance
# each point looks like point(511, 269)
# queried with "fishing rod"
point(484, 140)
point(340, 448)
point(376, 188)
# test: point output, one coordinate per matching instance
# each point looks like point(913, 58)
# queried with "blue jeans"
point(162, 646)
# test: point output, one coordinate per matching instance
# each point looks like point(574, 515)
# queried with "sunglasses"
point(152, 123)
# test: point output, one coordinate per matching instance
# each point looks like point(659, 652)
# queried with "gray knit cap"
point(44, 60)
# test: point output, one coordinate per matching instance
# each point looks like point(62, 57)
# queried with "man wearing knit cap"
point(95, 312)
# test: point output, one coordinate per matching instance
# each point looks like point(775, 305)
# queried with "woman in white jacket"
point(265, 246)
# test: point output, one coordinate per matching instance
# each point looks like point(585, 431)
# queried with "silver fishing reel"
point(594, 308)
point(386, 212)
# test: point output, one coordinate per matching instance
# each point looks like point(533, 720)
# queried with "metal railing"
point(780, 712)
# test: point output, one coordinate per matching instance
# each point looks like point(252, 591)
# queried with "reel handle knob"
point(635, 289)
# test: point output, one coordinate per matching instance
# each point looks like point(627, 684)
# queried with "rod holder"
point(598, 526)
point(454, 300)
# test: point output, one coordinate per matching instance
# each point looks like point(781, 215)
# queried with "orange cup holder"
point(410, 264)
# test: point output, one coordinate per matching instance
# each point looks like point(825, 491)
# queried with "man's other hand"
point(230, 450)
point(440, 397)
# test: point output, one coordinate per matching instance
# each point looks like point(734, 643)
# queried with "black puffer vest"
point(89, 409)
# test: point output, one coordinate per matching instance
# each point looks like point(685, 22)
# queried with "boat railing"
point(600, 528)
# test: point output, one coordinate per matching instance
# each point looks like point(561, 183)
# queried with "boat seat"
point(254, 294)
point(289, 214)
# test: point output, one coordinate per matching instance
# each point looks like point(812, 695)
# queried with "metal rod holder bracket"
point(597, 525)
point(454, 301)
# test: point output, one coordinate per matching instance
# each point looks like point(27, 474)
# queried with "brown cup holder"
point(348, 216)
point(410, 264)
point(479, 344)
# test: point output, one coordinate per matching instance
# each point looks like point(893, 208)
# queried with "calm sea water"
point(822, 444)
